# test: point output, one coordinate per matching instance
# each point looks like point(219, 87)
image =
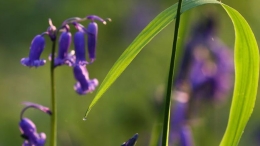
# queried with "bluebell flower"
point(131, 141)
point(64, 45)
point(84, 85)
point(92, 31)
point(79, 45)
point(28, 128)
point(37, 46)
point(29, 133)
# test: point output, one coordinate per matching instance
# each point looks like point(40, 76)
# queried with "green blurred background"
point(128, 106)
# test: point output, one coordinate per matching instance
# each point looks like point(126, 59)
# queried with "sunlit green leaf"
point(246, 78)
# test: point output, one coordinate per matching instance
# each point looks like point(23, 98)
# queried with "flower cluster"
point(28, 128)
point(77, 57)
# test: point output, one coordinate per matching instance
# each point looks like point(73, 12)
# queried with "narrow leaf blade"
point(246, 78)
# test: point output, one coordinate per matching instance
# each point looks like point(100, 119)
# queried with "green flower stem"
point(53, 99)
point(165, 134)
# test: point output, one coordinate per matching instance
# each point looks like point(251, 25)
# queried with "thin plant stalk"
point(165, 134)
point(53, 99)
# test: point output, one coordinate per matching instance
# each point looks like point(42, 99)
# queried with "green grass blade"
point(150, 31)
point(246, 78)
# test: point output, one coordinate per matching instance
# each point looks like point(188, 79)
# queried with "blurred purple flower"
point(37, 46)
point(29, 133)
point(131, 141)
point(178, 130)
point(84, 85)
point(207, 67)
point(186, 136)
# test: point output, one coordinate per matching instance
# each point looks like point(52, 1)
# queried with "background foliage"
point(128, 106)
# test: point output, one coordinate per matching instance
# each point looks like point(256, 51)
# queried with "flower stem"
point(165, 134)
point(53, 99)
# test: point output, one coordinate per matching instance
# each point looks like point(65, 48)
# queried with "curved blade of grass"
point(150, 31)
point(246, 78)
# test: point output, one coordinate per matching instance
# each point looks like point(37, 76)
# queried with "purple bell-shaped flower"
point(84, 84)
point(37, 46)
point(92, 31)
point(28, 128)
point(79, 45)
point(29, 133)
point(64, 45)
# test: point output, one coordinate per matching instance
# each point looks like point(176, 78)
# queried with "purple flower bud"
point(131, 141)
point(92, 32)
point(29, 133)
point(84, 84)
point(79, 45)
point(37, 46)
point(64, 44)
point(51, 31)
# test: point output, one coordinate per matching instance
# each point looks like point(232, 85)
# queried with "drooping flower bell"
point(79, 45)
point(92, 32)
point(64, 45)
point(131, 141)
point(29, 133)
point(28, 128)
point(37, 46)
point(84, 85)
